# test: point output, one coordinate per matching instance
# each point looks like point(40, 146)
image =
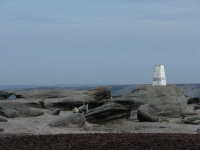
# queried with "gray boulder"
point(196, 122)
point(3, 120)
point(190, 113)
point(100, 93)
point(4, 95)
point(74, 120)
point(30, 103)
point(110, 111)
point(54, 112)
point(9, 113)
point(194, 100)
point(1, 129)
point(167, 101)
point(14, 109)
point(146, 113)
point(196, 107)
point(192, 120)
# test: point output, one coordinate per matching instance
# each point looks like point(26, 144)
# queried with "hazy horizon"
point(117, 42)
point(79, 85)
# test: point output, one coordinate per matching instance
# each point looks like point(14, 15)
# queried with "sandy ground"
point(39, 125)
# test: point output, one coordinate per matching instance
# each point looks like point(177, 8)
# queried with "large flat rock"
point(14, 109)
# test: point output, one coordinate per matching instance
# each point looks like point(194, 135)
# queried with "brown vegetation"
point(101, 141)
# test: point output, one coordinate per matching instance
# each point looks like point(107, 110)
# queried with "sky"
point(51, 42)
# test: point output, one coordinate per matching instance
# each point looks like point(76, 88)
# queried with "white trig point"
point(159, 76)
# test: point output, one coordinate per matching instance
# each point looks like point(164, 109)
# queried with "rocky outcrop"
point(167, 101)
point(196, 107)
point(3, 119)
point(190, 113)
point(8, 95)
point(54, 112)
point(63, 104)
point(1, 129)
point(74, 120)
point(194, 100)
point(110, 111)
point(34, 104)
point(14, 109)
point(196, 122)
point(43, 93)
point(146, 113)
point(9, 113)
point(96, 97)
point(100, 93)
point(192, 120)
point(4, 95)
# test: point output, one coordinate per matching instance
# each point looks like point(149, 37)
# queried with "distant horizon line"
point(88, 84)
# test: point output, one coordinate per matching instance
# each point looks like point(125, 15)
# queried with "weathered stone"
point(96, 97)
point(74, 120)
point(19, 96)
point(110, 111)
point(1, 129)
point(190, 113)
point(3, 119)
point(33, 104)
point(43, 93)
point(194, 100)
point(9, 113)
point(196, 122)
point(7, 95)
point(100, 93)
point(54, 112)
point(167, 101)
point(4, 95)
point(14, 109)
point(196, 107)
point(42, 104)
point(146, 113)
point(191, 119)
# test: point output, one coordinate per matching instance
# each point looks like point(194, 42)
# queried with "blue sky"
point(48, 42)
